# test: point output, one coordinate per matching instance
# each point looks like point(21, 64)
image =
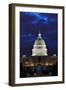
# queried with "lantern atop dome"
point(39, 35)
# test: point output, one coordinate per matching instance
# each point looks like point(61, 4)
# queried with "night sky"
point(30, 24)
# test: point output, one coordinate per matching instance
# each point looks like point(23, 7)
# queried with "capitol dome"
point(39, 47)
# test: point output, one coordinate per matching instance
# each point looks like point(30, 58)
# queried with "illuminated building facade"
point(39, 63)
point(39, 47)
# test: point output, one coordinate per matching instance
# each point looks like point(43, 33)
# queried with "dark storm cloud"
point(34, 18)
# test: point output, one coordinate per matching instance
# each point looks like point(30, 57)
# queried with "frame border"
point(12, 43)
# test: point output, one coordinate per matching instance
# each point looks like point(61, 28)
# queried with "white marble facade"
point(39, 47)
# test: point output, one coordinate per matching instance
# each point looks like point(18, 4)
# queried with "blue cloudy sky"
point(30, 24)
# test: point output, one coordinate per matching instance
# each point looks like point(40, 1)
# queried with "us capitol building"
point(39, 47)
point(39, 63)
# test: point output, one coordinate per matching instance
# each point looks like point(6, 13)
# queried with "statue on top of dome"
point(39, 34)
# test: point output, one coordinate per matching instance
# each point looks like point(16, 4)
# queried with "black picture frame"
point(12, 43)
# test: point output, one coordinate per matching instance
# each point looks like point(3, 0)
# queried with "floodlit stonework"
point(39, 47)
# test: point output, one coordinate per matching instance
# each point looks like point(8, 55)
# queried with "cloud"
point(34, 18)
